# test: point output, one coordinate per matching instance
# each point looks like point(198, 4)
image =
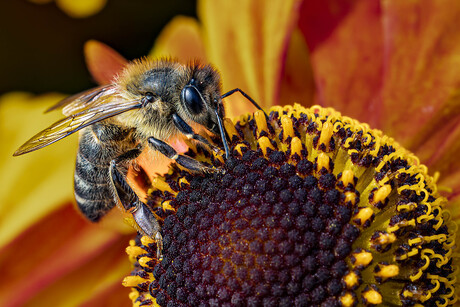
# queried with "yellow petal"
point(247, 41)
point(37, 183)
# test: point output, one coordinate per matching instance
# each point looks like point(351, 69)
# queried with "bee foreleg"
point(129, 201)
point(187, 162)
point(186, 130)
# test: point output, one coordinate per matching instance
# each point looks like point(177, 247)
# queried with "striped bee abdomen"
point(99, 144)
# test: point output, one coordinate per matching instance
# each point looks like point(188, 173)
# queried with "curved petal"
point(247, 41)
point(421, 75)
point(181, 39)
point(39, 182)
point(296, 82)
point(61, 259)
point(347, 65)
point(102, 61)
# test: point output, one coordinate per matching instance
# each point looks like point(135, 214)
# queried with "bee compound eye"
point(149, 97)
point(192, 99)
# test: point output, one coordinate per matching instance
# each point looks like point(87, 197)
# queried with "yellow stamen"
point(326, 134)
point(387, 271)
point(133, 281)
point(218, 156)
point(406, 207)
point(350, 197)
point(372, 297)
point(159, 184)
point(323, 161)
point(351, 280)
point(261, 121)
point(166, 205)
point(183, 181)
point(264, 144)
point(382, 193)
point(288, 129)
point(347, 300)
point(146, 240)
point(296, 146)
point(363, 258)
point(363, 215)
point(348, 177)
point(134, 251)
point(239, 147)
point(385, 238)
point(143, 261)
point(230, 128)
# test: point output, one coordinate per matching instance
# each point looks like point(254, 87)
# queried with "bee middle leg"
point(185, 129)
point(129, 201)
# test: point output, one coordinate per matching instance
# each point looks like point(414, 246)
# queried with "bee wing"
point(84, 100)
point(75, 122)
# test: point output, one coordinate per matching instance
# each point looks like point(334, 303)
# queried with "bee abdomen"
point(93, 192)
point(93, 210)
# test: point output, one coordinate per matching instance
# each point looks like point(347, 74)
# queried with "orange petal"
point(61, 259)
point(36, 183)
point(103, 62)
point(445, 159)
point(454, 204)
point(421, 75)
point(247, 41)
point(181, 39)
point(345, 40)
point(297, 84)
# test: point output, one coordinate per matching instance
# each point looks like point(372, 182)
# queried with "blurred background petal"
point(37, 183)
point(103, 62)
point(248, 47)
point(181, 39)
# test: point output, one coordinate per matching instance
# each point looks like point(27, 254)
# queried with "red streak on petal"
point(345, 39)
point(57, 245)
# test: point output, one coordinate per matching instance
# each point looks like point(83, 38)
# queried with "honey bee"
point(147, 104)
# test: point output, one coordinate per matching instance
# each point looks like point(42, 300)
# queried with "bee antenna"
point(245, 96)
point(222, 134)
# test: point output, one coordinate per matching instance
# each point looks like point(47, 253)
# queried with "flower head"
point(312, 208)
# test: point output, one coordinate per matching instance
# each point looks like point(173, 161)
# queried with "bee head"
point(192, 91)
point(201, 97)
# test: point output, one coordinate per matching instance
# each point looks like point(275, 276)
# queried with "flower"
point(311, 208)
point(388, 64)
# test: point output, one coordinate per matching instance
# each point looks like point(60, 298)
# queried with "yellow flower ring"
point(312, 208)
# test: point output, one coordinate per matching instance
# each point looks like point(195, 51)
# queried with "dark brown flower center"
point(310, 210)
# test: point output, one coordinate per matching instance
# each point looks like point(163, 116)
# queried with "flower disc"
point(311, 209)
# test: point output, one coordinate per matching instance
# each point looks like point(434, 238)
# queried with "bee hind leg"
point(129, 201)
point(171, 153)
